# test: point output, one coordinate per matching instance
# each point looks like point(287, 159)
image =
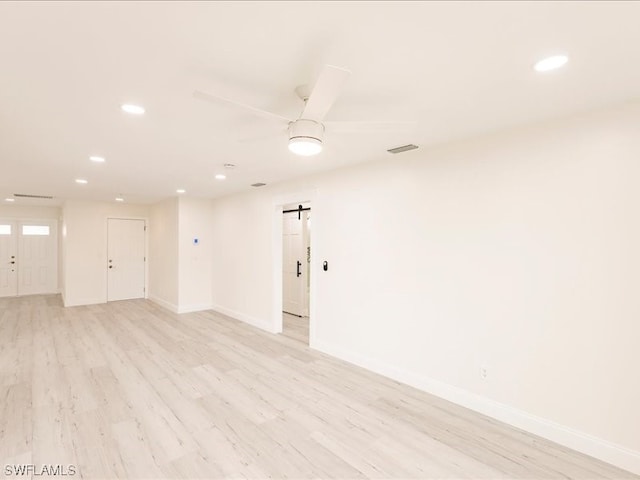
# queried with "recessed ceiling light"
point(181, 190)
point(96, 159)
point(132, 109)
point(220, 176)
point(81, 181)
point(119, 199)
point(550, 63)
point(9, 199)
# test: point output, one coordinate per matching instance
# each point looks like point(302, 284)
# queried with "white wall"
point(180, 272)
point(27, 211)
point(195, 261)
point(163, 253)
point(517, 252)
point(84, 248)
point(242, 280)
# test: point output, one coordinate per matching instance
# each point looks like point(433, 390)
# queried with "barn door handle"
point(298, 265)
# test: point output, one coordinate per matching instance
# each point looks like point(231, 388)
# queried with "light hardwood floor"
point(295, 327)
point(128, 389)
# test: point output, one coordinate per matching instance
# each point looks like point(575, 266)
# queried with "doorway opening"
point(296, 269)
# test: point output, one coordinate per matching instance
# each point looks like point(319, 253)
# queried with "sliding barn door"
point(294, 267)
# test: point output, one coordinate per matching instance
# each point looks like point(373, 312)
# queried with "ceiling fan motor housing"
point(306, 129)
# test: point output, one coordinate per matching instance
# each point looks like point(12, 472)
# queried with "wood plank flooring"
point(130, 390)
point(295, 327)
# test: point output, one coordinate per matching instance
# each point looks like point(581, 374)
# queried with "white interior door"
point(8, 254)
point(37, 257)
point(294, 265)
point(125, 259)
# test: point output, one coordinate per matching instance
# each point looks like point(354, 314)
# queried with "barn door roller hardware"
point(299, 210)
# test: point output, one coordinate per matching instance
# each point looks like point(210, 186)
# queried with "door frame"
point(106, 252)
point(305, 196)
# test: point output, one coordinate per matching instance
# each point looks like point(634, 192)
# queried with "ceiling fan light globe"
point(305, 137)
point(305, 146)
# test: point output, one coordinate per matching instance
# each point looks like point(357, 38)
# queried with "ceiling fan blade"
point(257, 111)
point(326, 90)
point(370, 127)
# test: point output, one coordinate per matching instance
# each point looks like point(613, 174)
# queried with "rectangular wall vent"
point(259, 184)
point(404, 148)
point(26, 195)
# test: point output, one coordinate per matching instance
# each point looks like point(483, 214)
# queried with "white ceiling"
point(457, 69)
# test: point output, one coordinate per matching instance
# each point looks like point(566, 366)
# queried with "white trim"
point(178, 308)
point(256, 322)
point(194, 308)
point(83, 301)
point(163, 303)
point(604, 450)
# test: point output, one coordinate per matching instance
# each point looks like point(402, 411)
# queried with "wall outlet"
point(484, 372)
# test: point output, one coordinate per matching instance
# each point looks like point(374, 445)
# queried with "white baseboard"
point(78, 302)
point(163, 303)
point(604, 450)
point(194, 308)
point(256, 322)
point(178, 308)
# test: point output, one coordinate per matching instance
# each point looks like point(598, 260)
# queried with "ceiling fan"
point(306, 133)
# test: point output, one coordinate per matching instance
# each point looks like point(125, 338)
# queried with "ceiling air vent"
point(26, 195)
point(259, 184)
point(404, 148)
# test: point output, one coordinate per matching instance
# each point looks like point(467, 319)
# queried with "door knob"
point(110, 266)
point(12, 262)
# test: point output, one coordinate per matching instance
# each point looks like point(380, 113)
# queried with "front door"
point(8, 260)
point(125, 259)
point(38, 257)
